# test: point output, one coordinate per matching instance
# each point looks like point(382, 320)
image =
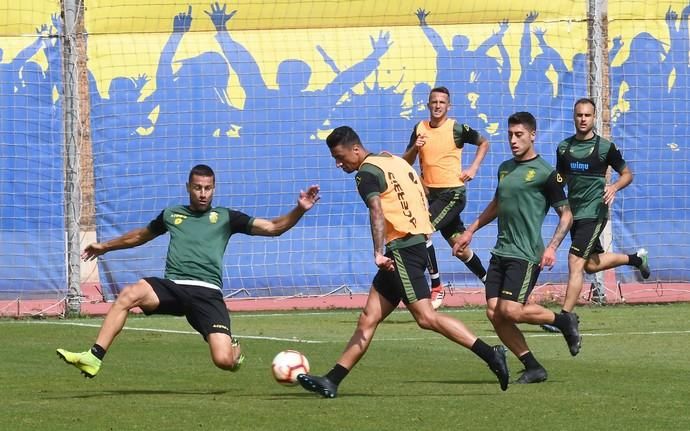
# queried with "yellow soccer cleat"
point(88, 364)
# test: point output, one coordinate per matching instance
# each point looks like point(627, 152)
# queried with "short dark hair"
point(441, 89)
point(585, 100)
point(524, 118)
point(202, 171)
point(343, 135)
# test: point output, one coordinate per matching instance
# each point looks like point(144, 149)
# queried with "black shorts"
point(585, 234)
point(203, 307)
point(408, 282)
point(445, 206)
point(510, 278)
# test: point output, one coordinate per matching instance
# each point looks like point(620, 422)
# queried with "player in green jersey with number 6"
point(527, 187)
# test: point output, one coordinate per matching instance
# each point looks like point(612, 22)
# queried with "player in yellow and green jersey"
point(193, 279)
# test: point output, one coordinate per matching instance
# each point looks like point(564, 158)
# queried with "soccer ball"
point(287, 365)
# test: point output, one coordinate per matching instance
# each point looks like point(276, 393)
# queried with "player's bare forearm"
point(378, 225)
point(131, 239)
point(624, 179)
point(280, 225)
point(482, 150)
point(479, 155)
point(565, 221)
point(410, 155)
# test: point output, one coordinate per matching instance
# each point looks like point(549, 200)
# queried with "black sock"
point(483, 350)
point(475, 265)
point(634, 260)
point(529, 361)
point(432, 265)
point(337, 374)
point(561, 320)
point(98, 351)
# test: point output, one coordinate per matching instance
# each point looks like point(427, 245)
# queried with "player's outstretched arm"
point(277, 226)
point(131, 239)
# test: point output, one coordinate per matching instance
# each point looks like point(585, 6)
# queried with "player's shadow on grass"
point(125, 392)
point(453, 382)
point(304, 394)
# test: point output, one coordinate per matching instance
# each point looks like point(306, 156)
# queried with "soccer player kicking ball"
point(191, 287)
point(400, 222)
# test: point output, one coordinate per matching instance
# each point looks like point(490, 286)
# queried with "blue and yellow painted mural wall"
point(252, 89)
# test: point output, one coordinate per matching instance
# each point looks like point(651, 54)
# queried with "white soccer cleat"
point(437, 295)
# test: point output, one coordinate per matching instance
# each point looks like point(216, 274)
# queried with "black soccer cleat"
point(320, 385)
point(534, 375)
point(571, 333)
point(499, 366)
point(644, 266)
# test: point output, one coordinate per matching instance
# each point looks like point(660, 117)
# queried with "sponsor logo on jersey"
point(177, 218)
point(397, 188)
point(579, 166)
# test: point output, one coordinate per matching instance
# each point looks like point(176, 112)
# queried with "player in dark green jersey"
point(527, 187)
point(583, 160)
point(192, 283)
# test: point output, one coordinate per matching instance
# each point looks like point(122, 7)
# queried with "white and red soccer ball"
point(287, 365)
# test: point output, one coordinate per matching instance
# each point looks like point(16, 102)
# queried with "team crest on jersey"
point(529, 176)
point(213, 217)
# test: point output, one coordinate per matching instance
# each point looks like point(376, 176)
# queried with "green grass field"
point(633, 373)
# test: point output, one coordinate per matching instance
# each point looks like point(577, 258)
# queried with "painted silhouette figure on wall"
point(470, 75)
point(534, 86)
point(290, 110)
point(193, 100)
point(120, 114)
point(16, 81)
